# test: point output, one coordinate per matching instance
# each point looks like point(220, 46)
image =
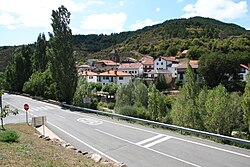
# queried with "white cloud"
point(104, 23)
point(218, 9)
point(122, 3)
point(157, 9)
point(35, 13)
point(140, 24)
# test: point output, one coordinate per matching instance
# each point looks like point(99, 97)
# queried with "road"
point(133, 144)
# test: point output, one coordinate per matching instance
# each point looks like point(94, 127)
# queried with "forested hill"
point(197, 34)
point(195, 27)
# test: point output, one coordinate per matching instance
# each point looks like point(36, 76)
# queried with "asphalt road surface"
point(133, 144)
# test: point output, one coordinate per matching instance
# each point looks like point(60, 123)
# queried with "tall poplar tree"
point(184, 112)
point(40, 59)
point(61, 53)
point(19, 68)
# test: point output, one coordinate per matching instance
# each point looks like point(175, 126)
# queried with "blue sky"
point(21, 21)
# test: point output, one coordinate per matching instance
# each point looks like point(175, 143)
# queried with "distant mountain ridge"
point(154, 40)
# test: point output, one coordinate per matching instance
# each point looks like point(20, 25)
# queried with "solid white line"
point(83, 142)
point(178, 159)
point(143, 130)
point(150, 139)
point(212, 147)
point(157, 141)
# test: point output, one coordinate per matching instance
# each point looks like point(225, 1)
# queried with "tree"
point(83, 90)
point(184, 112)
point(40, 59)
point(19, 68)
point(111, 88)
point(5, 111)
point(246, 102)
point(61, 54)
point(219, 68)
point(41, 84)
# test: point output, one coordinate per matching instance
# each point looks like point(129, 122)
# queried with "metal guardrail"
point(203, 133)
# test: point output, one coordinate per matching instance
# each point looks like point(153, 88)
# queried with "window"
point(161, 63)
point(159, 58)
point(135, 72)
point(120, 78)
point(157, 63)
point(90, 77)
point(106, 78)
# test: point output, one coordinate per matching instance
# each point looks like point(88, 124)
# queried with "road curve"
point(133, 144)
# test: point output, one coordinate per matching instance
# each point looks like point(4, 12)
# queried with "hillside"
point(197, 34)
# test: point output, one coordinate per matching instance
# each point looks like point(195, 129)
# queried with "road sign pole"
point(26, 108)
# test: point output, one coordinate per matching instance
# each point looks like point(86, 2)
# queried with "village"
point(121, 72)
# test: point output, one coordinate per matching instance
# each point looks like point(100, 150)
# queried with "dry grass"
point(31, 151)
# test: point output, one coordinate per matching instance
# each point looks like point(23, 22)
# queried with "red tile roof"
point(170, 58)
point(147, 60)
point(130, 66)
point(88, 73)
point(184, 51)
point(244, 66)
point(107, 62)
point(114, 73)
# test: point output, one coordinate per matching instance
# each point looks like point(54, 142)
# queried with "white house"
point(90, 76)
point(118, 77)
point(243, 72)
point(167, 63)
point(182, 68)
point(135, 69)
point(147, 63)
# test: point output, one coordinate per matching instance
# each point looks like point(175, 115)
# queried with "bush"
point(9, 136)
point(128, 110)
point(111, 105)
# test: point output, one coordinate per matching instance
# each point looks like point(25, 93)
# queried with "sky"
point(21, 21)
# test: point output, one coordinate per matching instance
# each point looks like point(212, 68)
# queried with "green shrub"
point(111, 105)
point(128, 110)
point(9, 136)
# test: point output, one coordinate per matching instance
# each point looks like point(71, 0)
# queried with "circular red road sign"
point(26, 107)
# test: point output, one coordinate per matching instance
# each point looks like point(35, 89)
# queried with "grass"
point(31, 151)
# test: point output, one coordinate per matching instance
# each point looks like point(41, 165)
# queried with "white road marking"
point(49, 107)
point(44, 108)
point(144, 130)
point(35, 109)
point(150, 139)
point(89, 121)
point(83, 142)
point(157, 142)
point(178, 159)
point(204, 145)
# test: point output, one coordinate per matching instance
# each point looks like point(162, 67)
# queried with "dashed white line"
point(150, 139)
point(157, 142)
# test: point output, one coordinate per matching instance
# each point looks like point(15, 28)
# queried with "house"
point(90, 76)
point(135, 69)
point(167, 63)
point(147, 63)
point(244, 70)
point(115, 76)
point(104, 65)
point(83, 67)
point(182, 68)
point(156, 73)
point(129, 60)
